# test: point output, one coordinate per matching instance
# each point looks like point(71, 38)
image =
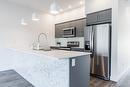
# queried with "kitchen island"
point(55, 68)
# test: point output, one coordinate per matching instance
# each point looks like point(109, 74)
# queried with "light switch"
point(73, 62)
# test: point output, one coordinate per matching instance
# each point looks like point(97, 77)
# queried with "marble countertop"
point(58, 54)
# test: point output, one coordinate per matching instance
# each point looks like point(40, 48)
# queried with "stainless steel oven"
point(69, 32)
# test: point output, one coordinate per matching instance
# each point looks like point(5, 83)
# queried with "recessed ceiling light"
point(81, 2)
point(69, 6)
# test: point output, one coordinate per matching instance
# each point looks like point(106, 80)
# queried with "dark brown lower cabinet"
point(80, 71)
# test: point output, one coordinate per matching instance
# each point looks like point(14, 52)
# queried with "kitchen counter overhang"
point(55, 68)
point(58, 54)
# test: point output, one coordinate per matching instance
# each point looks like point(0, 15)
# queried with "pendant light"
point(23, 22)
point(54, 8)
point(34, 17)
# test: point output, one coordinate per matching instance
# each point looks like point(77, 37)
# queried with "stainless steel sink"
point(42, 49)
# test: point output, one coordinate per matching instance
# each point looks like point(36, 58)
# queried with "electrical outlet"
point(73, 62)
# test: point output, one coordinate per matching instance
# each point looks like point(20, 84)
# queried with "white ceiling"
point(44, 5)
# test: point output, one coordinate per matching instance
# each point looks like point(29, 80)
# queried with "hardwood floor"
point(10, 78)
point(95, 82)
point(125, 82)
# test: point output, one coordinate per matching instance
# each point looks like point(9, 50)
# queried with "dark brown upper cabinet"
point(104, 16)
point(92, 18)
point(79, 24)
point(58, 31)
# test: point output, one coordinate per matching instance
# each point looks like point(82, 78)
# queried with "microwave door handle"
point(72, 31)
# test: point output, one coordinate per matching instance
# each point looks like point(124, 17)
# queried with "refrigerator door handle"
point(90, 33)
point(91, 41)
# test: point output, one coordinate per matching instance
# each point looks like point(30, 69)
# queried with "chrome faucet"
point(46, 47)
point(40, 36)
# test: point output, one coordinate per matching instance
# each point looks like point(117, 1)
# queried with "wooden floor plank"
point(95, 82)
point(10, 78)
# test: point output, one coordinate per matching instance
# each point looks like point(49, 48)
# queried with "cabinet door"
point(92, 18)
point(105, 16)
point(58, 31)
point(72, 24)
point(66, 25)
point(79, 28)
point(84, 25)
point(80, 72)
point(84, 22)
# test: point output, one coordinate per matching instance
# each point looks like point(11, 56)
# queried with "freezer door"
point(88, 34)
point(100, 61)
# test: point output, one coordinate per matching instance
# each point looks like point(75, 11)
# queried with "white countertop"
point(59, 54)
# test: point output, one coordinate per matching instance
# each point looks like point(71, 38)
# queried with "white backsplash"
point(65, 40)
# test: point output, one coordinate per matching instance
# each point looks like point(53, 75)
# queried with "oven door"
point(69, 32)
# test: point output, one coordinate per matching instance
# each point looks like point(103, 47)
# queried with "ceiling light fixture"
point(23, 22)
point(54, 8)
point(81, 2)
point(34, 17)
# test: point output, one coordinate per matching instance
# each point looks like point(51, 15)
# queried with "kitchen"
point(87, 35)
point(96, 37)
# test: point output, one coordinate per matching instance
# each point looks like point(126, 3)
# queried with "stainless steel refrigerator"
point(98, 41)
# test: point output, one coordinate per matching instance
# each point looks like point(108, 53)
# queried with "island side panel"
point(41, 71)
point(79, 71)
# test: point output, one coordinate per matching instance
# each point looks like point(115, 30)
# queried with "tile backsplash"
point(64, 41)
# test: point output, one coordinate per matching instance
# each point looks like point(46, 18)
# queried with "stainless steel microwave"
point(69, 32)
